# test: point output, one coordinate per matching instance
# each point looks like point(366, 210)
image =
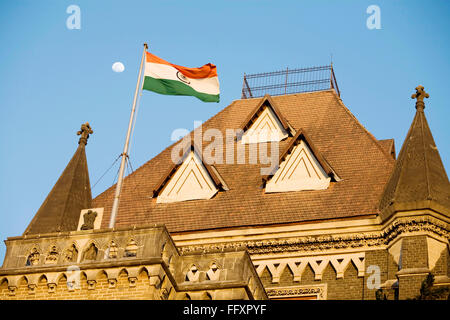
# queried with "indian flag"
point(166, 78)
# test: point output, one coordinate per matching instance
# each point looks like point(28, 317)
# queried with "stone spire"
point(418, 179)
point(72, 192)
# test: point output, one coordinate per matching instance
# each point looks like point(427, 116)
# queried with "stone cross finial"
point(85, 131)
point(420, 95)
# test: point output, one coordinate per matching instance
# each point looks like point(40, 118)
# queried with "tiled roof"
point(352, 152)
point(389, 146)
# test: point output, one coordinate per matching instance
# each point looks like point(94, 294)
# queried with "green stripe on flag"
point(175, 87)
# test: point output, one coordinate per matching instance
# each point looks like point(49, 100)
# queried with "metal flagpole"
point(124, 154)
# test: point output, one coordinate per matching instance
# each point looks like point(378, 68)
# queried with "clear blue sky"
point(53, 79)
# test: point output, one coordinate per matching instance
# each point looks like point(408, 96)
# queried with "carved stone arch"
point(50, 247)
point(61, 279)
point(143, 269)
point(33, 255)
point(3, 280)
point(206, 296)
point(22, 279)
point(192, 273)
point(42, 279)
point(170, 260)
point(71, 252)
point(102, 244)
point(131, 248)
point(216, 263)
point(61, 275)
point(52, 254)
point(213, 272)
point(37, 246)
point(90, 251)
point(122, 272)
point(83, 275)
point(164, 246)
point(4, 284)
point(101, 275)
point(142, 275)
point(99, 244)
point(166, 255)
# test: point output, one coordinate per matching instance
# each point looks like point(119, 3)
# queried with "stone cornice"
point(363, 240)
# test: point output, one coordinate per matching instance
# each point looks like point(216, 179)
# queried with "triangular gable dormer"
point(265, 124)
point(190, 180)
point(301, 168)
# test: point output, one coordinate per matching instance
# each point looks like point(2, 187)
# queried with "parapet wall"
point(128, 263)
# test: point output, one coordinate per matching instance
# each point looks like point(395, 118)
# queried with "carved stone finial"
point(89, 219)
point(85, 131)
point(420, 95)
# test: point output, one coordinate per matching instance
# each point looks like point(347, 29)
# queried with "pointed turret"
point(72, 192)
point(419, 179)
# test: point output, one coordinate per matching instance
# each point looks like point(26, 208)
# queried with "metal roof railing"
point(289, 81)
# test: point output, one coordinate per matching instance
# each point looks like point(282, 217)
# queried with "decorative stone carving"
point(318, 264)
point(318, 291)
point(51, 287)
point(132, 281)
point(52, 257)
point(112, 283)
point(193, 274)
point(131, 249)
point(71, 286)
point(12, 290)
point(33, 258)
point(133, 273)
point(329, 242)
point(32, 288)
point(91, 284)
point(90, 253)
point(78, 272)
point(89, 219)
point(84, 133)
point(71, 254)
point(113, 250)
point(164, 294)
point(213, 273)
point(165, 254)
point(420, 95)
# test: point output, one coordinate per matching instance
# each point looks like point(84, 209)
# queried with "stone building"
point(336, 217)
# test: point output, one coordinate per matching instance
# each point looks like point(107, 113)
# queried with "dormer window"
point(301, 168)
point(190, 180)
point(265, 124)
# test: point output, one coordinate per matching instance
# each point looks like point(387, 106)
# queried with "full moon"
point(118, 67)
